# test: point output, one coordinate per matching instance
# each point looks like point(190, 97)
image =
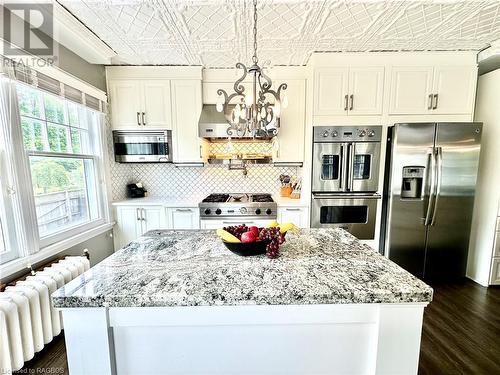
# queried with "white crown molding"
point(492, 50)
point(75, 36)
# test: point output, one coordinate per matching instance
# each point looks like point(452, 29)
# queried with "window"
point(62, 140)
point(2, 240)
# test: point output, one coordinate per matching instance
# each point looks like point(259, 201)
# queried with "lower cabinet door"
point(151, 218)
point(495, 272)
point(183, 218)
point(297, 215)
point(128, 225)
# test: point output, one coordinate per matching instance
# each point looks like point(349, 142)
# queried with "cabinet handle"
point(142, 215)
point(201, 157)
point(137, 212)
point(352, 102)
point(435, 101)
point(293, 209)
point(138, 119)
point(346, 102)
point(183, 209)
point(429, 104)
point(144, 118)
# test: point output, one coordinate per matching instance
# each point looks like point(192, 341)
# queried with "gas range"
point(238, 205)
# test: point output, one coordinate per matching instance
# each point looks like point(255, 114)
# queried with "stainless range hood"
point(213, 125)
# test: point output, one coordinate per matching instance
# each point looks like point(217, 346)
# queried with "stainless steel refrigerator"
point(429, 187)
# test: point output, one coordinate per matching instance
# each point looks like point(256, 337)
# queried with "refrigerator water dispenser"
point(413, 178)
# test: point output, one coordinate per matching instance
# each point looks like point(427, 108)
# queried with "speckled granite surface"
point(190, 268)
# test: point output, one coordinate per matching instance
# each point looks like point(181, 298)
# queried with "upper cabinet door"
point(157, 109)
point(126, 103)
point(330, 91)
point(186, 109)
point(288, 147)
point(454, 89)
point(410, 90)
point(366, 90)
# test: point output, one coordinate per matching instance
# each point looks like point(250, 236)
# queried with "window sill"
point(19, 264)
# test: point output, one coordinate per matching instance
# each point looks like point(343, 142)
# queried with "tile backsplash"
point(167, 180)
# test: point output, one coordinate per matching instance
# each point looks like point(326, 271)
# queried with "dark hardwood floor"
point(461, 335)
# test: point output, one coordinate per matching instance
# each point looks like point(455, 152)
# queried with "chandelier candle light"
point(253, 112)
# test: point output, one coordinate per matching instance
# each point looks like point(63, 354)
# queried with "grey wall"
point(73, 64)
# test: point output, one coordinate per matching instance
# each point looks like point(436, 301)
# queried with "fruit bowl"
point(248, 248)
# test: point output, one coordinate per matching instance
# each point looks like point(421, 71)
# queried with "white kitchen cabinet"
point(331, 91)
point(133, 221)
point(351, 91)
point(157, 104)
point(126, 103)
point(366, 90)
point(186, 110)
point(183, 218)
point(289, 144)
point(441, 90)
point(454, 89)
point(297, 215)
point(495, 272)
point(411, 90)
point(140, 104)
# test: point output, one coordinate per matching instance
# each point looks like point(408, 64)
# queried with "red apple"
point(248, 237)
point(254, 230)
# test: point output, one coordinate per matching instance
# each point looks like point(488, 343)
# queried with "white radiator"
point(28, 320)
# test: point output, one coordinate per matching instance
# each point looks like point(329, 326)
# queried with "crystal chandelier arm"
point(267, 81)
point(238, 87)
point(283, 86)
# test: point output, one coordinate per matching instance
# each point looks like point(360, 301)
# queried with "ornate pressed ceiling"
point(216, 33)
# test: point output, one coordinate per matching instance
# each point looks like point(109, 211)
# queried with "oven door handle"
point(341, 174)
point(345, 196)
point(351, 166)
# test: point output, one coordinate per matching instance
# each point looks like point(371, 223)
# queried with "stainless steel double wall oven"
point(346, 163)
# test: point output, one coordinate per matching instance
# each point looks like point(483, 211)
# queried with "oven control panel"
point(328, 134)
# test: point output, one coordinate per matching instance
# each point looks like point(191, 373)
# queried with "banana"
point(274, 224)
point(226, 236)
point(288, 227)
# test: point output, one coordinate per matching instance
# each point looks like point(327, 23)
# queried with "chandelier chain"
point(254, 57)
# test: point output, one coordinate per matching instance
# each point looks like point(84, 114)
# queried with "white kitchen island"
point(178, 302)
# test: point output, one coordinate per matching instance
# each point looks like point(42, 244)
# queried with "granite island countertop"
point(194, 268)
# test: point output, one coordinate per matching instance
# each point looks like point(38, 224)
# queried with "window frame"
point(95, 125)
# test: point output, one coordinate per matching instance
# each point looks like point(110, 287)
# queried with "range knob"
point(371, 133)
point(258, 211)
point(269, 211)
point(335, 133)
point(362, 133)
point(218, 211)
point(243, 210)
point(207, 211)
point(325, 133)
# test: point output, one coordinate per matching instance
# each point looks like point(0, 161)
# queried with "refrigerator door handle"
point(439, 179)
point(430, 205)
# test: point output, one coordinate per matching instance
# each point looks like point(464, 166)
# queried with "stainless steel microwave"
point(145, 146)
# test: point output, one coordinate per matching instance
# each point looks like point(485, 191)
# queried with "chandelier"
point(258, 111)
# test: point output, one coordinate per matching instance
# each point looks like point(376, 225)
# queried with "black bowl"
point(247, 248)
